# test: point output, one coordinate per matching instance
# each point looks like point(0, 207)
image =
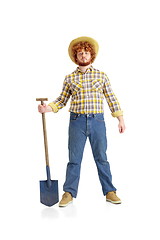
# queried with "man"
point(87, 88)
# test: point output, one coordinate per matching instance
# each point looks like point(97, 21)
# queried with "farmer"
point(87, 88)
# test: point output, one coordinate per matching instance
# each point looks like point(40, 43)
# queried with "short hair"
point(87, 47)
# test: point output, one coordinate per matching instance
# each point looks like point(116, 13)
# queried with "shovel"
point(49, 188)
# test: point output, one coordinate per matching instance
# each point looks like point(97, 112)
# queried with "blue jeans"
point(82, 126)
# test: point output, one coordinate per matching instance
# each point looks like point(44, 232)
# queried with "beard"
point(83, 63)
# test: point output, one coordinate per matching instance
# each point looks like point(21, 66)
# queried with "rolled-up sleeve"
point(62, 100)
point(111, 98)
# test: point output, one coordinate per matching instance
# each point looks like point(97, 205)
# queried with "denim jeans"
point(92, 126)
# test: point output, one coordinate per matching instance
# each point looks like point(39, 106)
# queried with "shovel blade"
point(49, 195)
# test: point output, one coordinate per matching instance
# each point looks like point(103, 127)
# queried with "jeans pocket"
point(99, 117)
point(74, 117)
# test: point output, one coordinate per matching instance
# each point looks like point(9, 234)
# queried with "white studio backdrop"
point(34, 60)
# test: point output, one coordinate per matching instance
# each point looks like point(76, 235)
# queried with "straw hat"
point(82, 39)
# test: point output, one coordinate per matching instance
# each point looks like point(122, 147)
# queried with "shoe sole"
point(115, 202)
point(65, 205)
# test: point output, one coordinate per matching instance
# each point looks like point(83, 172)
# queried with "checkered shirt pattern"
point(87, 91)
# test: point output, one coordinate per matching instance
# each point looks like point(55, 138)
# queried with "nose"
point(84, 55)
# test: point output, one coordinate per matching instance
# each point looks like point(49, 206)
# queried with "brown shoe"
point(66, 200)
point(112, 197)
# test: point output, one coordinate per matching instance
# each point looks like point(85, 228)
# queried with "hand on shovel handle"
point(42, 108)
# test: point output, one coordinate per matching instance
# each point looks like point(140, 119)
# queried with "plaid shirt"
point(87, 91)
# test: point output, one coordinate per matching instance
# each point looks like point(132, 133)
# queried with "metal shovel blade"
point(49, 190)
point(49, 195)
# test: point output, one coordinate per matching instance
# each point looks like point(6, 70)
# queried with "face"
point(83, 58)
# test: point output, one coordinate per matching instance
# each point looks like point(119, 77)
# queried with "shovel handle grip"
point(44, 131)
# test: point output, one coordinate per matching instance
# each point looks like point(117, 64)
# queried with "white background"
point(33, 63)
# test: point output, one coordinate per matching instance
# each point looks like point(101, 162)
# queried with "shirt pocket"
point(96, 85)
point(75, 87)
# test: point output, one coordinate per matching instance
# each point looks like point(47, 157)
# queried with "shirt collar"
point(88, 70)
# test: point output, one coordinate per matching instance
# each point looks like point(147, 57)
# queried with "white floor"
point(88, 216)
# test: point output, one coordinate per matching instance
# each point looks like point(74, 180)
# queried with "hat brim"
point(83, 39)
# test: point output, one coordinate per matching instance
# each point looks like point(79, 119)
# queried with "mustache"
point(84, 63)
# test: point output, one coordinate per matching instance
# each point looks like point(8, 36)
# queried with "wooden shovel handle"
point(44, 131)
